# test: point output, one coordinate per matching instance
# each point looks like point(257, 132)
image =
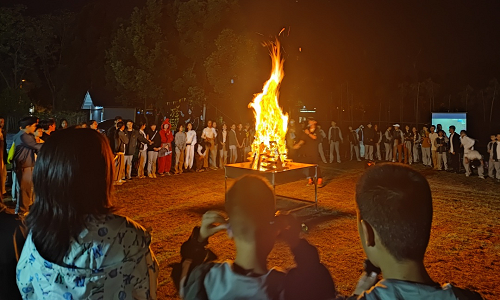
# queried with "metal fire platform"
point(294, 172)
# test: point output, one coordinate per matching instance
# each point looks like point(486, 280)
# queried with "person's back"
point(253, 226)
point(12, 236)
point(394, 223)
point(77, 248)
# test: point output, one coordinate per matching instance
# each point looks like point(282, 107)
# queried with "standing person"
point(291, 139)
point(378, 140)
point(143, 150)
point(48, 126)
point(354, 143)
point(190, 146)
point(415, 139)
point(201, 153)
point(361, 136)
point(232, 142)
point(38, 134)
point(454, 149)
point(215, 153)
point(111, 133)
point(322, 137)
point(334, 139)
point(408, 145)
point(165, 153)
point(369, 141)
point(223, 145)
point(426, 147)
point(308, 143)
point(180, 148)
point(432, 137)
point(121, 141)
point(208, 135)
point(496, 157)
point(63, 124)
point(489, 148)
point(249, 136)
point(397, 149)
point(24, 162)
point(388, 143)
point(77, 247)
point(240, 138)
point(441, 151)
point(4, 155)
point(136, 141)
point(154, 147)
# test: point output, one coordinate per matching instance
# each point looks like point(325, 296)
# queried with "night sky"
point(373, 43)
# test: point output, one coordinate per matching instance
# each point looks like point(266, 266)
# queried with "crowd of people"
point(431, 146)
point(72, 244)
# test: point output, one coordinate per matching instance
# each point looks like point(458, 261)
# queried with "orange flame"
point(270, 122)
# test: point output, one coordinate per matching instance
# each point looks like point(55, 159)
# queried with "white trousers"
point(369, 152)
point(379, 154)
point(321, 152)
point(189, 156)
point(415, 153)
point(442, 159)
point(388, 151)
point(355, 149)
point(480, 169)
point(426, 156)
point(334, 145)
point(233, 154)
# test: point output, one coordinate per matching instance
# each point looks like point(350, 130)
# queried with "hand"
point(211, 223)
point(365, 282)
point(157, 149)
point(307, 131)
point(289, 229)
point(296, 146)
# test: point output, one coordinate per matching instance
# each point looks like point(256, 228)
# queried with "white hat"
point(396, 125)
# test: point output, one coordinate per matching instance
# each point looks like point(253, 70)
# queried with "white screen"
point(459, 120)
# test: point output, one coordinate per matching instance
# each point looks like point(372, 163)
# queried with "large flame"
point(270, 122)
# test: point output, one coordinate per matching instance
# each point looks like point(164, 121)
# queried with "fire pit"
point(294, 172)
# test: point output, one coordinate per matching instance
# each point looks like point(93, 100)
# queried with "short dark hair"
point(432, 126)
point(118, 118)
point(70, 162)
point(463, 131)
point(397, 202)
point(47, 123)
point(453, 127)
point(91, 122)
point(27, 121)
point(250, 205)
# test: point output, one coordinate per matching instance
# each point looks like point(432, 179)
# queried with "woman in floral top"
point(77, 248)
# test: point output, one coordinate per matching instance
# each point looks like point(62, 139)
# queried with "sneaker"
point(320, 182)
point(359, 159)
point(310, 182)
point(117, 183)
point(151, 176)
point(466, 175)
point(338, 161)
point(481, 176)
point(154, 175)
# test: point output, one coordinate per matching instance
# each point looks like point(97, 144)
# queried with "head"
point(407, 128)
point(414, 129)
point(153, 127)
point(247, 126)
point(396, 127)
point(166, 125)
point(2, 122)
point(350, 127)
point(394, 213)
point(375, 127)
point(28, 124)
point(68, 163)
point(214, 124)
point(311, 122)
point(63, 124)
point(93, 124)
point(493, 137)
point(233, 126)
point(118, 119)
point(130, 125)
point(84, 125)
point(432, 129)
point(334, 123)
point(181, 128)
point(189, 126)
point(369, 125)
point(38, 131)
point(209, 123)
point(389, 128)
point(498, 137)
point(120, 126)
point(452, 129)
point(250, 206)
point(224, 126)
point(440, 133)
point(240, 126)
point(439, 127)
point(463, 133)
point(48, 125)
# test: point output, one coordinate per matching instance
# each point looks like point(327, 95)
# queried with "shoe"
point(310, 182)
point(359, 159)
point(466, 175)
point(154, 175)
point(320, 182)
point(168, 173)
point(324, 162)
point(482, 177)
point(122, 181)
point(338, 161)
point(117, 183)
point(151, 176)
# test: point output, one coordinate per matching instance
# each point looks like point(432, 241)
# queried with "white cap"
point(396, 125)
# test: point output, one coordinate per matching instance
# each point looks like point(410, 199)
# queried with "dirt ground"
point(464, 248)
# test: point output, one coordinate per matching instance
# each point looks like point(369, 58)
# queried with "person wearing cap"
point(397, 149)
point(368, 141)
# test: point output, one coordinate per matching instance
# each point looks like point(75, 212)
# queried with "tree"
point(493, 89)
point(138, 58)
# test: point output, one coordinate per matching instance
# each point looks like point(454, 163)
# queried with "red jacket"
point(166, 135)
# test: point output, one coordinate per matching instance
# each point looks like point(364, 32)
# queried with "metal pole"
point(316, 187)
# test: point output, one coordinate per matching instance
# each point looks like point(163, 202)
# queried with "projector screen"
point(448, 119)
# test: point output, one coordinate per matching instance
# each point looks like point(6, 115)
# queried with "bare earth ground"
point(464, 247)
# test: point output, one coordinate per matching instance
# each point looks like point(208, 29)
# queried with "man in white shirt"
point(470, 154)
point(208, 135)
point(454, 149)
point(190, 146)
point(433, 136)
point(495, 157)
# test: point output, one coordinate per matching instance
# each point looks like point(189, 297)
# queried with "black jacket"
point(369, 136)
point(133, 137)
point(111, 137)
point(455, 141)
point(155, 137)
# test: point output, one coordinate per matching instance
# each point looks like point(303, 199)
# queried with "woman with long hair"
point(77, 247)
point(63, 124)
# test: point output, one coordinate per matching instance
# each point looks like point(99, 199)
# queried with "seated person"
point(254, 227)
point(77, 247)
point(12, 236)
point(394, 222)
